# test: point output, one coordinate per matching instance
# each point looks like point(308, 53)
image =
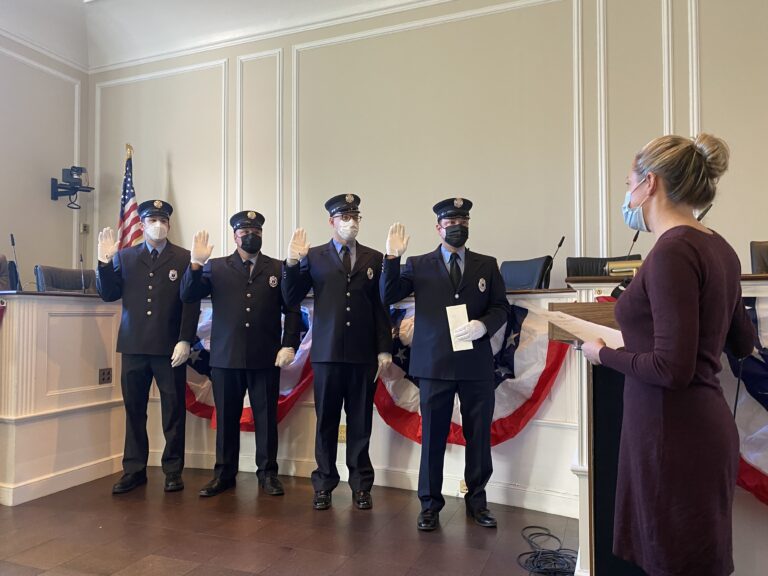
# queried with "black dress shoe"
point(216, 486)
point(428, 520)
point(482, 517)
point(128, 482)
point(272, 486)
point(173, 483)
point(362, 499)
point(322, 500)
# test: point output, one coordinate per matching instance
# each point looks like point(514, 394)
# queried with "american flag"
point(128, 229)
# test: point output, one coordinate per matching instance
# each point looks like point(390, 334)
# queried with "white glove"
point(397, 241)
point(107, 246)
point(298, 246)
point(472, 330)
point(180, 353)
point(385, 359)
point(201, 250)
point(284, 357)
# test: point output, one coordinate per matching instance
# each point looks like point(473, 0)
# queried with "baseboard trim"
point(14, 494)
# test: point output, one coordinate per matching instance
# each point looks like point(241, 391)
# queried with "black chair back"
point(759, 252)
point(13, 276)
point(526, 274)
point(590, 266)
point(52, 279)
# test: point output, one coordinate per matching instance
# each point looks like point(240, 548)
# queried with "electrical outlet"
point(463, 487)
point(105, 375)
point(342, 433)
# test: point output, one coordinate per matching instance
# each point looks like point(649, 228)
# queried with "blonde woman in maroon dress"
point(679, 451)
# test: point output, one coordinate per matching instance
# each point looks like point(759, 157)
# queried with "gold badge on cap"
point(273, 281)
point(157, 204)
point(349, 198)
point(370, 273)
point(251, 214)
point(458, 202)
point(481, 284)
point(173, 275)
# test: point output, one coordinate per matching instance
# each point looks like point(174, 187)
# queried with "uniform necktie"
point(248, 264)
point(154, 254)
point(454, 270)
point(346, 259)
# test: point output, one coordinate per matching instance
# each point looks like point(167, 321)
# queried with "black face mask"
point(251, 243)
point(456, 235)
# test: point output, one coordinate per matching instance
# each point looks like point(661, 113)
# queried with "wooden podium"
point(605, 391)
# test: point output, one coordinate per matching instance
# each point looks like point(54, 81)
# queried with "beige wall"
point(531, 109)
point(42, 122)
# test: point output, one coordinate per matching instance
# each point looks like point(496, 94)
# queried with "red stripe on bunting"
point(284, 403)
point(409, 423)
point(754, 480)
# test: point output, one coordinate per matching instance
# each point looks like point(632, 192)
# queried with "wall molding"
point(278, 54)
point(427, 23)
point(578, 130)
point(76, 117)
point(603, 170)
point(222, 65)
point(694, 86)
point(27, 43)
point(667, 77)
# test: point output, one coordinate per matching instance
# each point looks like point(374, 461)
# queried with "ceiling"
point(93, 35)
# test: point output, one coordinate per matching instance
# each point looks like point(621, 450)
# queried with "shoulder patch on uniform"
point(173, 275)
point(273, 281)
point(370, 273)
point(481, 284)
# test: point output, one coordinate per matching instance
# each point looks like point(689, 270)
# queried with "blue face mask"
point(633, 217)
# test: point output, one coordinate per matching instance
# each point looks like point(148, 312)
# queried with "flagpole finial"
point(128, 151)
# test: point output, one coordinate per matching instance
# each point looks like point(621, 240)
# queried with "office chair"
point(530, 274)
point(758, 250)
point(590, 266)
point(52, 279)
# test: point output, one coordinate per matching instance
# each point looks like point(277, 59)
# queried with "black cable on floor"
point(551, 561)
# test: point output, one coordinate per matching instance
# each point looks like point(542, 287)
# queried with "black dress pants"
point(136, 378)
point(352, 386)
point(229, 387)
point(477, 402)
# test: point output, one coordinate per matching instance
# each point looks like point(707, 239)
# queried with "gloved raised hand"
point(385, 360)
point(201, 250)
point(472, 330)
point(285, 356)
point(397, 241)
point(298, 246)
point(180, 353)
point(107, 246)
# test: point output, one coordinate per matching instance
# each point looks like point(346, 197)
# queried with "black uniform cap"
point(155, 208)
point(452, 208)
point(343, 204)
point(246, 219)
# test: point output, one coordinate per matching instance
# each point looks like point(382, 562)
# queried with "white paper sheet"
point(457, 316)
point(584, 330)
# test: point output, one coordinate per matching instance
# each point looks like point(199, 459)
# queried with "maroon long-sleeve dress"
point(679, 451)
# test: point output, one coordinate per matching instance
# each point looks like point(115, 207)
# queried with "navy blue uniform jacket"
point(247, 313)
point(154, 319)
point(481, 289)
point(350, 323)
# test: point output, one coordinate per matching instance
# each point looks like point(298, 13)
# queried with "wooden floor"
point(87, 530)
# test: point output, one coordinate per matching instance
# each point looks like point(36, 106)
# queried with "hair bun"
point(715, 152)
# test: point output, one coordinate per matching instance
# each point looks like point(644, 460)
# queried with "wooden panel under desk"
point(597, 312)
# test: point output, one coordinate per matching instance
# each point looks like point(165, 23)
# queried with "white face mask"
point(633, 217)
point(156, 231)
point(347, 230)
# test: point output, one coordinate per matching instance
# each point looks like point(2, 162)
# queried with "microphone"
point(703, 213)
point(637, 235)
point(545, 275)
point(82, 274)
point(16, 261)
